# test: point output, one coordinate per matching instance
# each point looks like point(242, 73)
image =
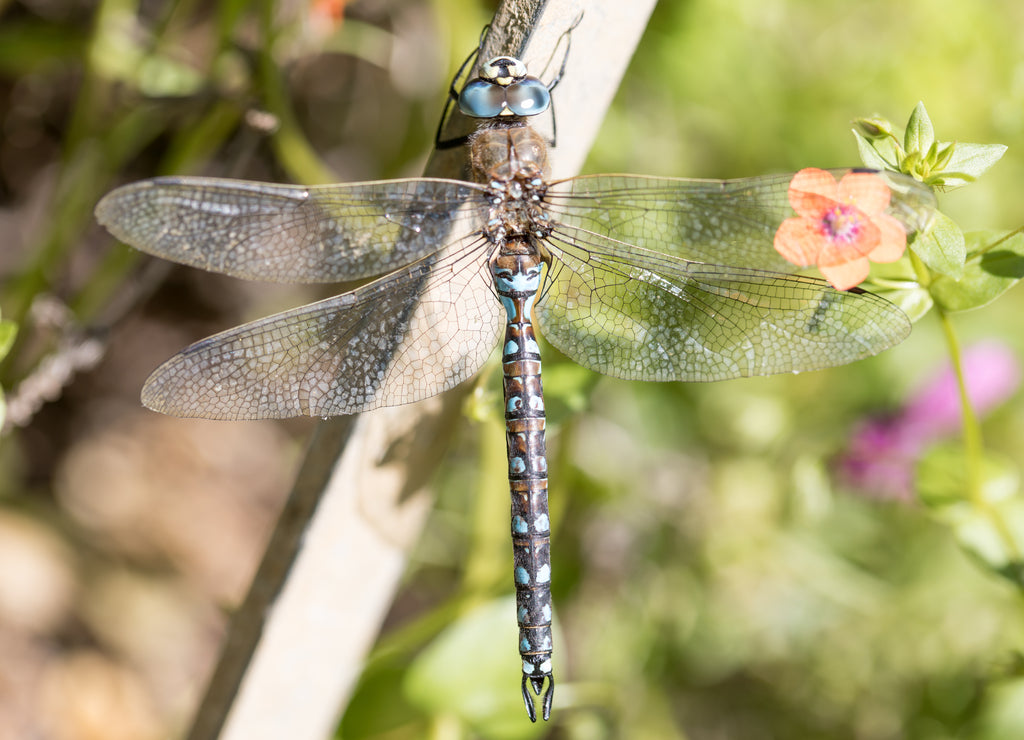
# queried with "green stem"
point(971, 429)
point(921, 271)
point(973, 443)
point(291, 147)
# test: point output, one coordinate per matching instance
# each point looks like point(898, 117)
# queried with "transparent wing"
point(400, 339)
point(729, 222)
point(636, 314)
point(285, 233)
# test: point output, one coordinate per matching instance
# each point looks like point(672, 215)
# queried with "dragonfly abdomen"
point(517, 272)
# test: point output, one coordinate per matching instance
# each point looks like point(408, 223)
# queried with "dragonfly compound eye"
point(528, 98)
point(482, 99)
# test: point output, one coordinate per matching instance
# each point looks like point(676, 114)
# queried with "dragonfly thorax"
point(508, 152)
point(511, 161)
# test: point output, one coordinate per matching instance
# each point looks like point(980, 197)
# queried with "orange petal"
point(847, 275)
point(867, 190)
point(892, 239)
point(811, 205)
point(810, 191)
point(866, 239)
point(799, 241)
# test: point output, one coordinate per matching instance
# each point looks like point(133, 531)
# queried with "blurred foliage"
point(8, 331)
point(714, 575)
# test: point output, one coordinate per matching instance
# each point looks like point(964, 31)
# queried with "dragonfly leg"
point(537, 683)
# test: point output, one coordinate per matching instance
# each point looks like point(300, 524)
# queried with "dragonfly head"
point(504, 89)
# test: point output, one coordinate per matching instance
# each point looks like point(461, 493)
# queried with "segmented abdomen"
point(517, 279)
point(527, 474)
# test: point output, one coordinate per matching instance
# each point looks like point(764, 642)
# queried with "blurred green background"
point(714, 577)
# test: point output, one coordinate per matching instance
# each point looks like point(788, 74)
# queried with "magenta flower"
point(882, 452)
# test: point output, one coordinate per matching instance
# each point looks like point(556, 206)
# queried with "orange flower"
point(840, 226)
point(326, 16)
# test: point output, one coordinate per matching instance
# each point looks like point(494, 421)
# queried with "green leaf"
point(996, 264)
point(873, 128)
point(994, 536)
point(919, 135)
point(943, 156)
point(571, 389)
point(990, 526)
point(914, 301)
point(377, 706)
point(968, 162)
point(941, 478)
point(487, 697)
point(161, 76)
point(942, 247)
point(874, 153)
point(28, 46)
point(1000, 711)
point(8, 331)
point(911, 165)
point(897, 283)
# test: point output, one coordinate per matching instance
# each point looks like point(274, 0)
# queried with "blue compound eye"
point(527, 98)
point(482, 99)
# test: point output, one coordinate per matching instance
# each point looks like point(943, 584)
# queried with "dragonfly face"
point(504, 89)
point(657, 279)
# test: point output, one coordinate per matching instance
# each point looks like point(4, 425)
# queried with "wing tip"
point(107, 209)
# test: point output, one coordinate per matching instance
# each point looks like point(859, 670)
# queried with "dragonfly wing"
point(729, 222)
point(636, 314)
point(287, 233)
point(405, 337)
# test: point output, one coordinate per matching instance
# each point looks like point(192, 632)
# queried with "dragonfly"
point(636, 277)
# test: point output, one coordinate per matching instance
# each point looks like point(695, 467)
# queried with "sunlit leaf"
point(972, 160)
point(472, 671)
point(878, 154)
point(941, 477)
point(8, 331)
point(913, 300)
point(997, 266)
point(160, 76)
point(942, 247)
point(989, 522)
point(1001, 713)
point(920, 134)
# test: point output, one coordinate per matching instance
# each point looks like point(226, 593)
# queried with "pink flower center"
point(842, 224)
